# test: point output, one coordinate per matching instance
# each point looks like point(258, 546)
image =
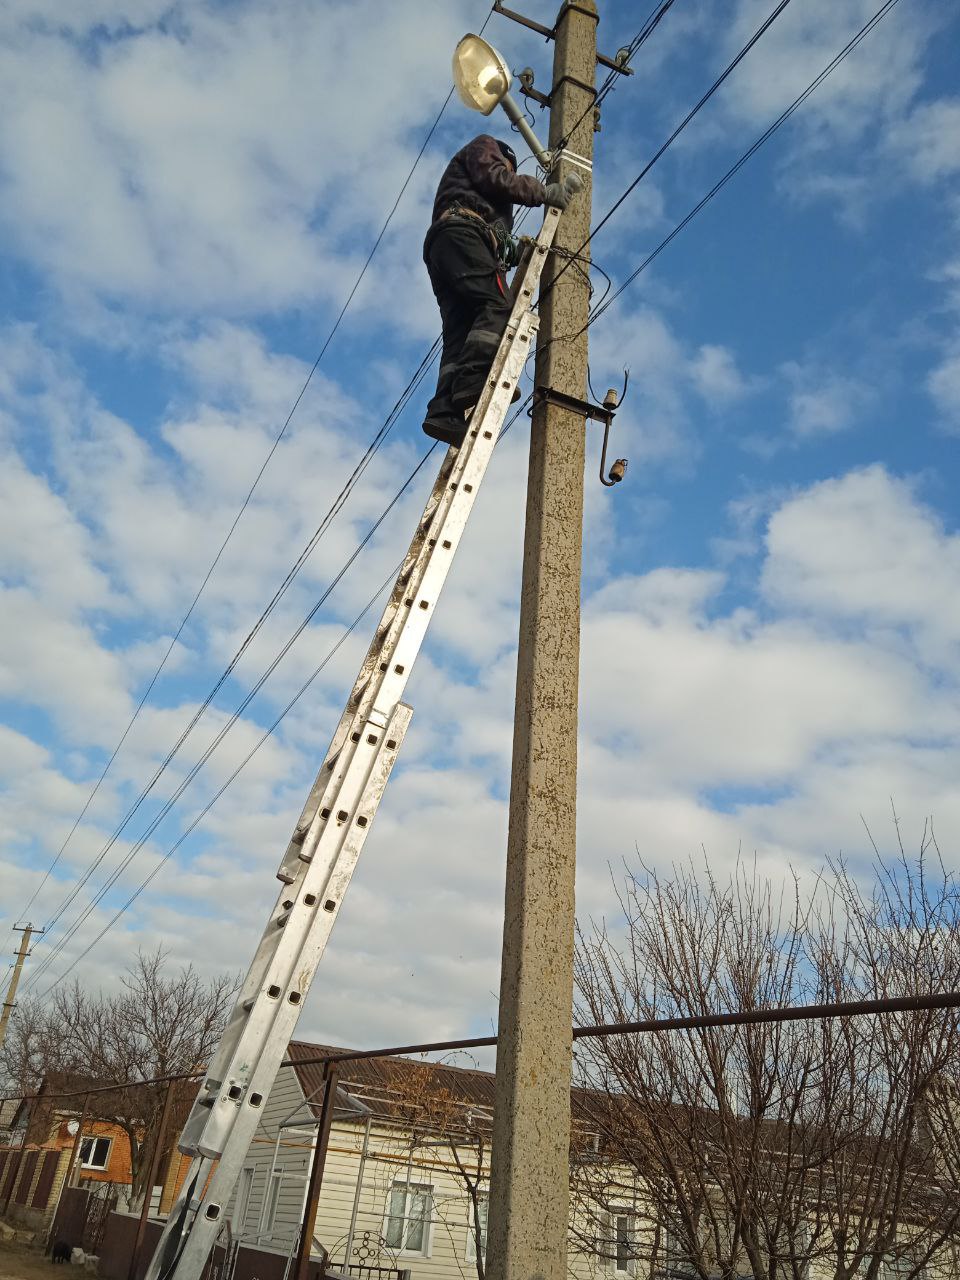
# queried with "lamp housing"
point(481, 75)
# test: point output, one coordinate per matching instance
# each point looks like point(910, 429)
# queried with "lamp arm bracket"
point(542, 99)
point(579, 84)
point(570, 6)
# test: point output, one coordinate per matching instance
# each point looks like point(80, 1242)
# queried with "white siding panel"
point(292, 1156)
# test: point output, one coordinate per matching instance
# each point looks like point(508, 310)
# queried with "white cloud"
point(928, 139)
point(206, 162)
point(863, 548)
point(838, 149)
point(822, 402)
point(716, 375)
point(193, 170)
point(943, 384)
point(877, 80)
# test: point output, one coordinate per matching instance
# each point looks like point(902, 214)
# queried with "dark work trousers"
point(474, 308)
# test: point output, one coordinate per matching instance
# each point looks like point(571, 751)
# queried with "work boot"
point(447, 428)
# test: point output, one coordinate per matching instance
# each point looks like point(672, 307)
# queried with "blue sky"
point(771, 626)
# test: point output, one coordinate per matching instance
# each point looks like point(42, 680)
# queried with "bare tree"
point(441, 1121)
point(762, 1150)
point(158, 1024)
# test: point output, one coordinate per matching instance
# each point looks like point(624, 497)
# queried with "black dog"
point(62, 1251)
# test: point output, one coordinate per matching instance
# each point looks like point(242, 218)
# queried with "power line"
point(200, 816)
point(221, 734)
point(246, 501)
point(649, 26)
point(337, 505)
point(738, 165)
point(645, 31)
point(598, 311)
point(348, 631)
point(723, 76)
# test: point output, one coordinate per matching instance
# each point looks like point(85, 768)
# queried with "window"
point(408, 1218)
point(618, 1248)
point(95, 1152)
point(271, 1200)
point(244, 1187)
point(483, 1205)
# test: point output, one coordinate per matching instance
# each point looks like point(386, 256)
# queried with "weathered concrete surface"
point(529, 1196)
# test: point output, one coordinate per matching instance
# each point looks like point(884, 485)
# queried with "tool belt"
point(503, 243)
point(461, 211)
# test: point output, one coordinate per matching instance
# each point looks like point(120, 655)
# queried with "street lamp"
point(483, 80)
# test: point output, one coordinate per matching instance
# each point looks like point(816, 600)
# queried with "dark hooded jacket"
point(479, 178)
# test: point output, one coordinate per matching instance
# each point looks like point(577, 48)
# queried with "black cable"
point(728, 70)
point(221, 734)
point(598, 311)
point(246, 501)
point(649, 26)
point(735, 168)
point(246, 760)
point(575, 257)
point(337, 505)
point(267, 733)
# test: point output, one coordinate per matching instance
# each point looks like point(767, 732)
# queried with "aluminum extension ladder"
point(327, 841)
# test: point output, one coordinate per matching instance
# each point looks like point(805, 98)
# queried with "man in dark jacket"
point(465, 256)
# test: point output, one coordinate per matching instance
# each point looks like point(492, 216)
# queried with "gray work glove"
point(557, 195)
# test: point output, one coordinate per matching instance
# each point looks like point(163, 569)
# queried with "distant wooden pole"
point(28, 931)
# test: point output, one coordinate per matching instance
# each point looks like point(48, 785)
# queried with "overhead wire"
point(331, 653)
point(665, 146)
point(175, 796)
point(751, 150)
point(650, 24)
point(648, 27)
point(48, 960)
point(301, 560)
point(246, 501)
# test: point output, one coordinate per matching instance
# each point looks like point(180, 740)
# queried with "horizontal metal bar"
point(547, 32)
point(583, 408)
point(749, 1017)
point(792, 1013)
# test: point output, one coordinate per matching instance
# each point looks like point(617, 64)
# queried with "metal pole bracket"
point(550, 33)
point(587, 409)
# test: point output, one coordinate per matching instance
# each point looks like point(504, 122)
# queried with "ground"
point(21, 1262)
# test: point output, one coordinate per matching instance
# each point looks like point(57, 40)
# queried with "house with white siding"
point(408, 1142)
point(406, 1177)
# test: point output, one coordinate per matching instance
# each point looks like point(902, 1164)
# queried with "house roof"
point(56, 1083)
point(408, 1091)
point(398, 1089)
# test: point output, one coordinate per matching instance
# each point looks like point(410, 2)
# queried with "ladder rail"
point(328, 838)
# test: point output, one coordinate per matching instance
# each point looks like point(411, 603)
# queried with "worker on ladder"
point(468, 250)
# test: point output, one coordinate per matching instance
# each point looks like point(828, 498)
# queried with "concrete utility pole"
point(28, 931)
point(529, 1191)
